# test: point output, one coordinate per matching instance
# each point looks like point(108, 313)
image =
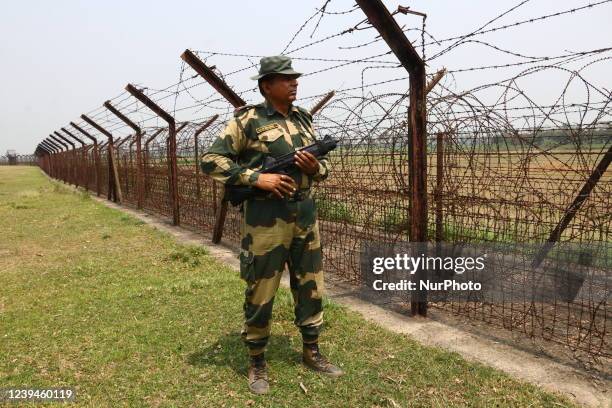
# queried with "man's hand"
point(306, 162)
point(278, 184)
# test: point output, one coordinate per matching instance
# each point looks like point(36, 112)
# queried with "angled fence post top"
point(178, 129)
point(55, 145)
point(53, 148)
point(319, 105)
point(125, 139)
point(58, 140)
point(206, 125)
point(42, 147)
point(390, 31)
point(434, 81)
point(134, 140)
point(73, 136)
point(98, 127)
point(181, 126)
point(121, 116)
point(153, 136)
point(84, 132)
point(65, 139)
point(213, 79)
point(138, 94)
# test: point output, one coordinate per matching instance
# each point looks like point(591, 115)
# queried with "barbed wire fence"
point(18, 159)
point(497, 164)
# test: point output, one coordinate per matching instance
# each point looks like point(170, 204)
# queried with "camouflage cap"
point(278, 64)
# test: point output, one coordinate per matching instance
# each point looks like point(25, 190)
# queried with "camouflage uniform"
point(273, 231)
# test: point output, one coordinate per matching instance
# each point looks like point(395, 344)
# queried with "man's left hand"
point(306, 162)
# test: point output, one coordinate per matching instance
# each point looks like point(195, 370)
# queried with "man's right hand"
point(279, 184)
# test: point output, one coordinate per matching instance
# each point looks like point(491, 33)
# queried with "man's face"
point(281, 88)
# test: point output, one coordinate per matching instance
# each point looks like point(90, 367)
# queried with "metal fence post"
point(146, 161)
point(173, 177)
point(573, 208)
point(72, 165)
point(125, 170)
point(439, 185)
point(197, 153)
point(139, 163)
point(57, 160)
point(380, 18)
point(64, 158)
point(83, 174)
point(52, 155)
point(213, 79)
point(96, 154)
point(114, 189)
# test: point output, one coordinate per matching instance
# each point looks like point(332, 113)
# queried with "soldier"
point(280, 228)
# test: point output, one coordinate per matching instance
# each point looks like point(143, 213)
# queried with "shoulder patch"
point(262, 129)
point(242, 109)
point(305, 111)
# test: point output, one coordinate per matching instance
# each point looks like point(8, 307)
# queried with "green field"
point(95, 299)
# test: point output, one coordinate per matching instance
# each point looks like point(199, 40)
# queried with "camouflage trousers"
point(276, 233)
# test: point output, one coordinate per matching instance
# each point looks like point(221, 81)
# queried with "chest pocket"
point(270, 136)
point(273, 142)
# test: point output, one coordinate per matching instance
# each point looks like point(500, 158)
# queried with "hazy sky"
point(61, 58)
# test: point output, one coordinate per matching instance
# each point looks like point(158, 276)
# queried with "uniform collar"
point(271, 111)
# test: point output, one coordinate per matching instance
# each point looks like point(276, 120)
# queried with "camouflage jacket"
point(257, 131)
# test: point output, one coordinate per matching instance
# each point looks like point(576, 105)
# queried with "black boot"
point(313, 359)
point(258, 375)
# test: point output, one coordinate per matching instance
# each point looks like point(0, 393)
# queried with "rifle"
point(238, 194)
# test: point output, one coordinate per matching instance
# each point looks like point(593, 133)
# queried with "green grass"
point(95, 299)
point(334, 210)
point(394, 219)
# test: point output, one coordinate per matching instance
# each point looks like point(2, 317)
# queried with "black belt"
point(299, 195)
